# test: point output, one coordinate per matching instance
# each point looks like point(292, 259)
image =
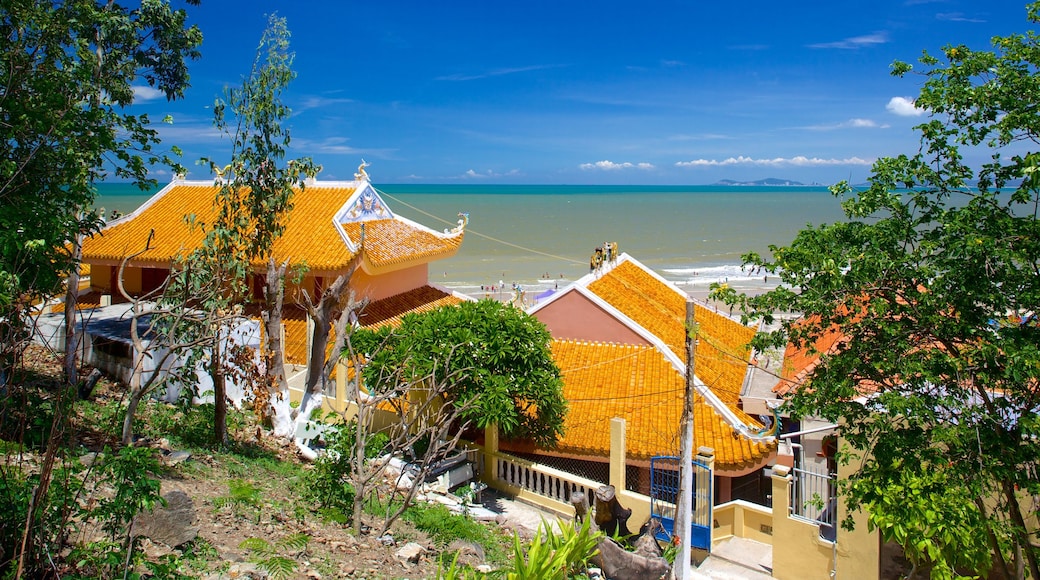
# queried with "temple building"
point(329, 225)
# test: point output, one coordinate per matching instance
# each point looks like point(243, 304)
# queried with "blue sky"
point(574, 92)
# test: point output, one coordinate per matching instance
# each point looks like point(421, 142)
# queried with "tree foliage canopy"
point(67, 77)
point(496, 356)
point(934, 284)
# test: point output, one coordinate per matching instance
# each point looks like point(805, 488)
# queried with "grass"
point(444, 527)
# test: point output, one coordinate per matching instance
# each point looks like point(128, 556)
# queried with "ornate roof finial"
point(361, 174)
point(463, 221)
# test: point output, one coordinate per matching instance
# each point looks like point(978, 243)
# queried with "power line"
point(479, 234)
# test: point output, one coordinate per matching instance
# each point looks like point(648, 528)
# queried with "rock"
point(177, 457)
point(88, 459)
point(470, 553)
point(410, 553)
point(245, 570)
point(170, 525)
point(618, 564)
point(387, 540)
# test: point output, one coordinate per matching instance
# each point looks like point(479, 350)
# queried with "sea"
point(541, 237)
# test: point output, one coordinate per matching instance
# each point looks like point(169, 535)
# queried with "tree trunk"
point(272, 349)
point(128, 417)
point(999, 563)
point(71, 297)
point(220, 436)
point(359, 479)
point(322, 314)
point(1021, 537)
point(611, 516)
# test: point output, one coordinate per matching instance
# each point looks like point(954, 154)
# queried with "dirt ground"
point(332, 552)
point(271, 514)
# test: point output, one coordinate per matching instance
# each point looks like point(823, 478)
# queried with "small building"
point(619, 340)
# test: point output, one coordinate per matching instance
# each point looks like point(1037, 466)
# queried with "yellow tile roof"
point(640, 385)
point(722, 350)
point(166, 217)
point(310, 234)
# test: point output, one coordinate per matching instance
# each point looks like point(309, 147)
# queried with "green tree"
point(934, 283)
point(67, 75)
point(254, 198)
point(495, 357)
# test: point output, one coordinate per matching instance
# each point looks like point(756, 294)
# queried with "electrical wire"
point(479, 234)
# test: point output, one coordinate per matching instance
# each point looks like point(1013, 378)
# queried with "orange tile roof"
point(723, 351)
point(310, 234)
point(394, 241)
point(389, 311)
point(165, 216)
point(640, 385)
point(799, 363)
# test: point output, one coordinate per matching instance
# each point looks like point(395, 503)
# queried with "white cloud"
point(957, 17)
point(904, 107)
point(611, 166)
point(317, 102)
point(495, 73)
point(144, 93)
point(797, 161)
point(855, 42)
point(851, 123)
point(470, 174)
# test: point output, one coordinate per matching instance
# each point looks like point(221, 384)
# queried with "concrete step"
point(738, 558)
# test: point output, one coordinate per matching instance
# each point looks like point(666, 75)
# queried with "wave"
point(705, 275)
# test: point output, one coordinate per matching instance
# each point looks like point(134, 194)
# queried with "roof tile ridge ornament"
point(463, 222)
point(361, 174)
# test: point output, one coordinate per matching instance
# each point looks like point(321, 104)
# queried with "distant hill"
point(766, 181)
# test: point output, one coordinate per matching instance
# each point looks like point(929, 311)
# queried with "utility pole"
point(684, 509)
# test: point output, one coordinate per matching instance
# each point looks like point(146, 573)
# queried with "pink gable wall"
point(574, 316)
point(389, 284)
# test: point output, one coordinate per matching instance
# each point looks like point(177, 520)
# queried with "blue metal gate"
point(664, 496)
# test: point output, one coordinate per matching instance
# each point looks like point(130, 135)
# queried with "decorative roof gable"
point(363, 206)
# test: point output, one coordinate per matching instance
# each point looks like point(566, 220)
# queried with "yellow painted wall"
point(799, 553)
point(132, 280)
point(742, 519)
point(101, 279)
